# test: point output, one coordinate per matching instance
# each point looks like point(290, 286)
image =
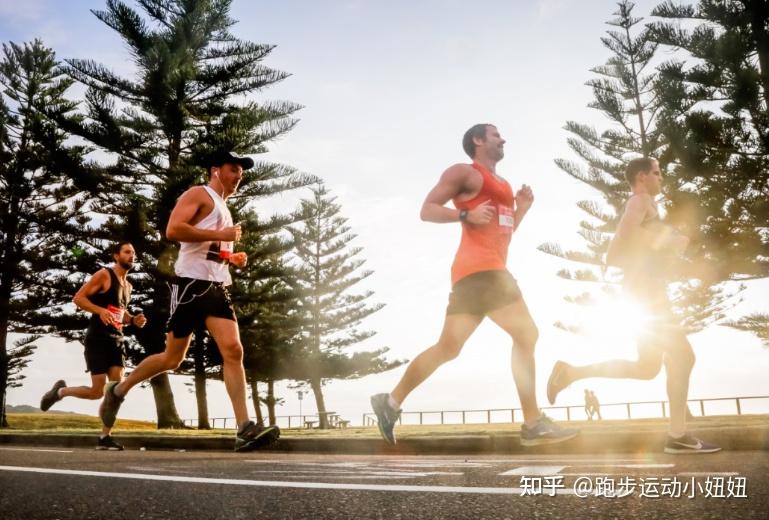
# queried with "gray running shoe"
point(108, 443)
point(688, 444)
point(110, 405)
point(386, 416)
point(545, 431)
point(253, 436)
point(52, 396)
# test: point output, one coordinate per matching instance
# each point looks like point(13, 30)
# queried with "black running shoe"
point(110, 405)
point(386, 416)
point(52, 396)
point(688, 444)
point(254, 436)
point(108, 443)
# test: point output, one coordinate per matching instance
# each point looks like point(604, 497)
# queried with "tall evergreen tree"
point(328, 267)
point(624, 92)
point(189, 95)
point(44, 187)
point(714, 98)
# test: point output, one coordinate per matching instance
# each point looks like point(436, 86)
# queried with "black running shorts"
point(192, 301)
point(483, 292)
point(102, 352)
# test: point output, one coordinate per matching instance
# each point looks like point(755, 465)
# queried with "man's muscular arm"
point(180, 229)
point(96, 284)
point(523, 201)
point(451, 184)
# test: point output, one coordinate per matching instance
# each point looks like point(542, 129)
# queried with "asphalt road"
point(38, 483)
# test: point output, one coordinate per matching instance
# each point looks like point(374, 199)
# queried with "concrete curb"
point(605, 441)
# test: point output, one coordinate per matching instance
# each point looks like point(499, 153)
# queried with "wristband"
point(463, 215)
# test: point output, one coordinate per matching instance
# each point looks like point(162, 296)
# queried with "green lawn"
point(74, 423)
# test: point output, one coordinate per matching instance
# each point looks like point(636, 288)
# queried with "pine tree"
point(189, 95)
point(714, 98)
point(44, 187)
point(328, 267)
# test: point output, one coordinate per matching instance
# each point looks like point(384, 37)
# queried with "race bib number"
point(506, 219)
point(117, 316)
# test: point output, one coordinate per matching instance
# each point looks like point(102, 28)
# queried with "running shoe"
point(688, 444)
point(253, 436)
point(110, 405)
point(52, 396)
point(386, 416)
point(545, 431)
point(556, 381)
point(108, 443)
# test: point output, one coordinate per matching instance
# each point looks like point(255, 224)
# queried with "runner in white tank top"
point(201, 222)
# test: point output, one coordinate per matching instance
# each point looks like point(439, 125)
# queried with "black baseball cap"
point(221, 157)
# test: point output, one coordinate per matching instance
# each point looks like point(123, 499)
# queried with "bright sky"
point(388, 89)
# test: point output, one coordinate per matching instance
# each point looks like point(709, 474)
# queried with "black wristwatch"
point(463, 215)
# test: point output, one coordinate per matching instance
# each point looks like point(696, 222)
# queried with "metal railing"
point(284, 421)
point(369, 419)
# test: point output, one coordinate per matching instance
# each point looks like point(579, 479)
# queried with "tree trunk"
point(255, 399)
point(168, 417)
point(271, 401)
point(4, 363)
point(8, 256)
point(317, 390)
point(200, 383)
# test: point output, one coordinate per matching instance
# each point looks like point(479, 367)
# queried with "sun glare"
point(614, 322)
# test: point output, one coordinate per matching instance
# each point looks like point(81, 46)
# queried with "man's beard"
point(126, 265)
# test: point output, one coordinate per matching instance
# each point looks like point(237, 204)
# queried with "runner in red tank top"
point(489, 213)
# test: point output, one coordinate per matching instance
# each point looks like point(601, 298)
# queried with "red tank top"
point(484, 247)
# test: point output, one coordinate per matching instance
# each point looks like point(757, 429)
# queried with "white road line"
point(36, 449)
point(533, 470)
point(279, 484)
point(542, 470)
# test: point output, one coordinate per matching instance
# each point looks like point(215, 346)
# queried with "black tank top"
point(118, 296)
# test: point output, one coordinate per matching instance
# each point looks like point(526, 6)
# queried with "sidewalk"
point(647, 435)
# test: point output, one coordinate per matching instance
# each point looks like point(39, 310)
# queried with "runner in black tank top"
point(106, 296)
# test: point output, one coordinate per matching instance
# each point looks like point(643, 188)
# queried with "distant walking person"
point(588, 405)
point(106, 296)
point(642, 246)
point(595, 406)
point(203, 224)
point(488, 214)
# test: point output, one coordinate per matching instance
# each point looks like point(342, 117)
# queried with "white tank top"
point(201, 260)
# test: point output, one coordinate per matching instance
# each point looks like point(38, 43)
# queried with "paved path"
point(75, 483)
